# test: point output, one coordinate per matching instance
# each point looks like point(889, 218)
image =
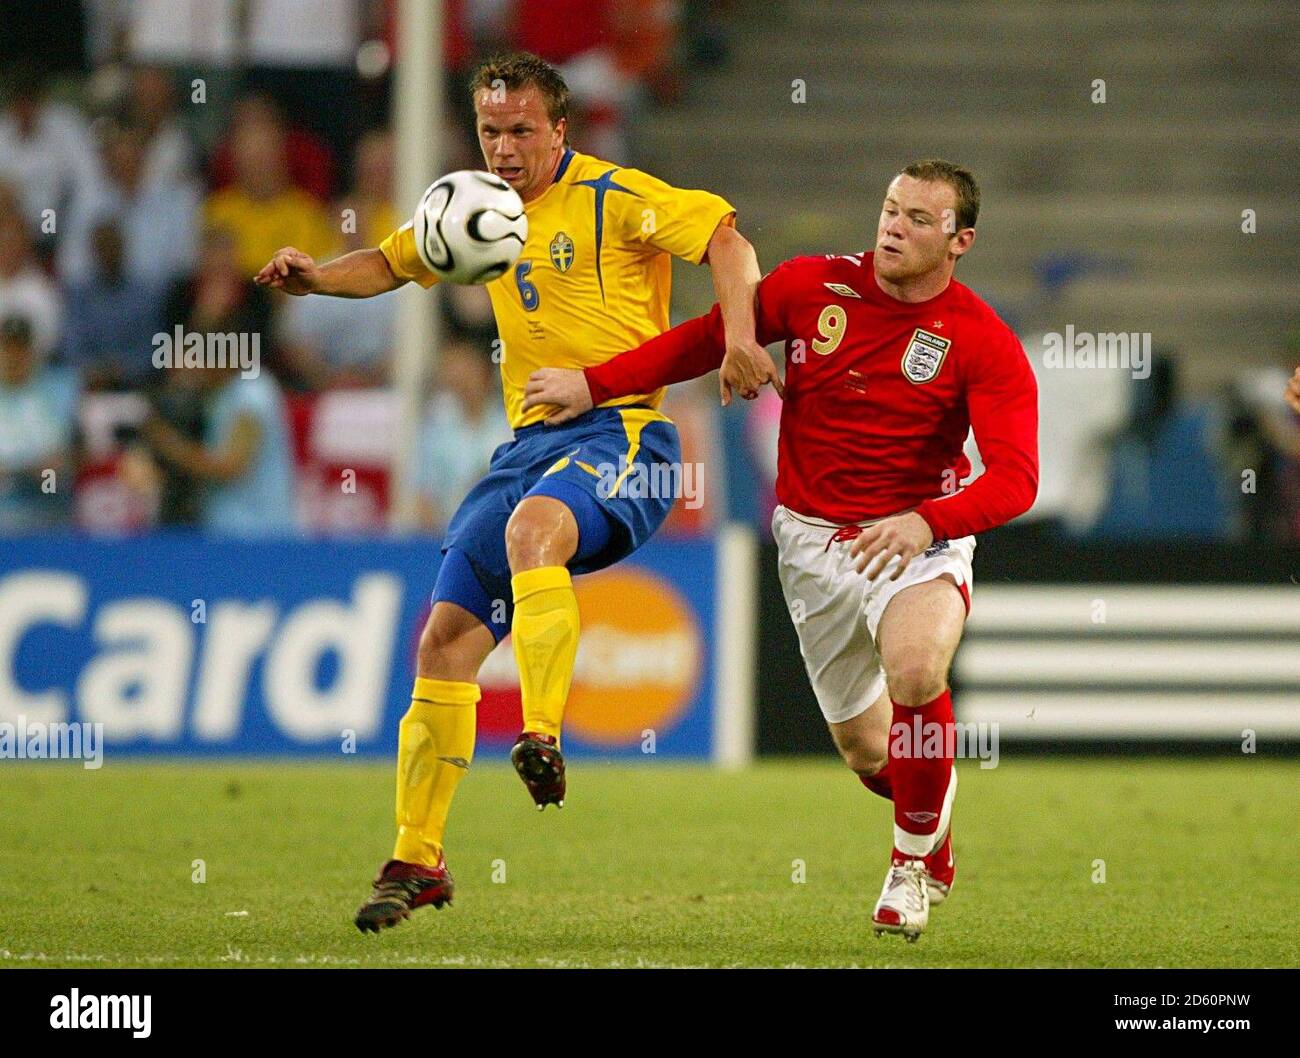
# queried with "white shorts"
point(836, 610)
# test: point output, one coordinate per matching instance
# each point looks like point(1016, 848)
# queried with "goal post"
point(417, 133)
point(736, 599)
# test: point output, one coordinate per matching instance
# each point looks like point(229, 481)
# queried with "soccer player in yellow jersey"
point(592, 280)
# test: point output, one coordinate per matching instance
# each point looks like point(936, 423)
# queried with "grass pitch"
point(648, 866)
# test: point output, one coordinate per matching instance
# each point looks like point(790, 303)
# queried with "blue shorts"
point(599, 465)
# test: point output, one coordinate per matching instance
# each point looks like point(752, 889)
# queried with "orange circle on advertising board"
point(638, 660)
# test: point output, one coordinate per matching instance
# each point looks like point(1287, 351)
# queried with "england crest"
point(925, 355)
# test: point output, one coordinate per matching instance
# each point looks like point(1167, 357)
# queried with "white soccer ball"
point(470, 227)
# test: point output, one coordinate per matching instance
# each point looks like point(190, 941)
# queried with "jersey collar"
point(564, 165)
point(565, 159)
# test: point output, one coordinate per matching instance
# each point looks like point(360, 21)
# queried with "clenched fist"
point(747, 367)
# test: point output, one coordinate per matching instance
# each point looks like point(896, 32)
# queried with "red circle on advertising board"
point(638, 663)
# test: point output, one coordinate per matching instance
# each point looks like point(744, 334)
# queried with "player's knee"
point(916, 680)
point(862, 749)
point(864, 758)
point(541, 532)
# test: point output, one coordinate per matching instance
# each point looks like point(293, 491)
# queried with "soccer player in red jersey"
point(889, 362)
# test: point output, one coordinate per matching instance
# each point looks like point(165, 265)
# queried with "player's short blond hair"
point(521, 69)
point(959, 178)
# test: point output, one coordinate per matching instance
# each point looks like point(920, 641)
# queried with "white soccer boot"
point(904, 904)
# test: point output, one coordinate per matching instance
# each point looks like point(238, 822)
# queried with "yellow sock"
point(545, 636)
point(434, 750)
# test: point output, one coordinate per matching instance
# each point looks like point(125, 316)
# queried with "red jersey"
point(879, 396)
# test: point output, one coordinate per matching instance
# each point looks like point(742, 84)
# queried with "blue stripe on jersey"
point(603, 183)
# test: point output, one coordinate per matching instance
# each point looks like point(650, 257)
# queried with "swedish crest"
point(562, 252)
point(924, 357)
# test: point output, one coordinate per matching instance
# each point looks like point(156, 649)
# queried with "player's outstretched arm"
point(746, 365)
point(1293, 391)
point(359, 274)
point(689, 350)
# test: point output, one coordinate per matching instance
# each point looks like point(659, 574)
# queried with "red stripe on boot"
point(922, 743)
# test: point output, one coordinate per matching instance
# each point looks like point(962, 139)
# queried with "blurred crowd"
point(153, 156)
point(155, 153)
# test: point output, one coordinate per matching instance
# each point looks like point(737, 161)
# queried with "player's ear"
point(961, 242)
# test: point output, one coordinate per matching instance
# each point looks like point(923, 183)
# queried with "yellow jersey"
point(594, 277)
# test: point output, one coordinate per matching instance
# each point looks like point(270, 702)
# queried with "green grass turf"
point(652, 865)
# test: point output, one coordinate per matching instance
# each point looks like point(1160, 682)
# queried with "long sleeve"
point(686, 351)
point(691, 349)
point(1002, 400)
